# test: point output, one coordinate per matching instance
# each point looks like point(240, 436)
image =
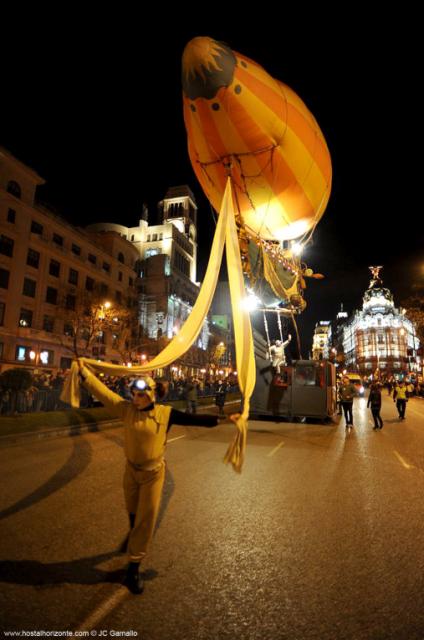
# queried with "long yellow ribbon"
point(225, 234)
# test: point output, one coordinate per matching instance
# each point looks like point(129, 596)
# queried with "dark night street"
point(320, 537)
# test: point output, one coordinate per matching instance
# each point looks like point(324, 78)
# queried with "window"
point(160, 236)
point(2, 310)
point(70, 302)
point(151, 252)
point(36, 227)
point(29, 288)
point(22, 353)
point(89, 283)
point(118, 297)
point(76, 249)
point(48, 323)
point(25, 318)
point(6, 245)
point(4, 279)
point(11, 216)
point(130, 281)
point(104, 289)
point(33, 258)
point(132, 238)
point(51, 295)
point(154, 237)
point(182, 263)
point(54, 268)
point(73, 276)
point(68, 329)
point(1, 350)
point(120, 276)
point(14, 188)
point(92, 258)
point(121, 257)
point(148, 238)
point(106, 267)
point(57, 239)
point(309, 376)
point(65, 363)
point(46, 356)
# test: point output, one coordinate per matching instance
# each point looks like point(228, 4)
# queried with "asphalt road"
point(320, 537)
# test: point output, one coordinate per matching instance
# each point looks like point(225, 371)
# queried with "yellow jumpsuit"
point(144, 446)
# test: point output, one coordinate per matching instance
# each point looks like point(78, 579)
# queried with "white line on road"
point(172, 439)
point(403, 461)
point(275, 449)
point(103, 610)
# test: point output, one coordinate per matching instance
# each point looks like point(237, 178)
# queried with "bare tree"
point(89, 316)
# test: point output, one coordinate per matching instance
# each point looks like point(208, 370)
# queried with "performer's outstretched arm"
point(111, 400)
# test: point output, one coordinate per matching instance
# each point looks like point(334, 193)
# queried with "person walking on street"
point(146, 425)
point(374, 400)
point(220, 394)
point(339, 397)
point(191, 395)
point(400, 397)
point(347, 393)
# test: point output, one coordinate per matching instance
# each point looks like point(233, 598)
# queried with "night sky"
point(94, 106)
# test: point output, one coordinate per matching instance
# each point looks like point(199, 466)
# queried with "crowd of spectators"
point(44, 392)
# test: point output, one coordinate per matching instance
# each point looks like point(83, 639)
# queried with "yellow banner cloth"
point(225, 233)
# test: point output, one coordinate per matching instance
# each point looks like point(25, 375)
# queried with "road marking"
point(177, 438)
point(275, 449)
point(103, 610)
point(403, 462)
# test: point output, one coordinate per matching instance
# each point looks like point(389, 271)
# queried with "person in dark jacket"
point(374, 401)
point(220, 395)
point(347, 393)
point(146, 425)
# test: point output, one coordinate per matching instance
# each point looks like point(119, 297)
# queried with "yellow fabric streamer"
point(245, 356)
point(225, 233)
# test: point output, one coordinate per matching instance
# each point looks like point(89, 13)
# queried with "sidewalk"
point(77, 429)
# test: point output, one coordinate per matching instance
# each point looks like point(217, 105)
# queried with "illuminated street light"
point(296, 248)
point(251, 302)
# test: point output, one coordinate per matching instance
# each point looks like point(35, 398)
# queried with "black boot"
point(124, 544)
point(133, 579)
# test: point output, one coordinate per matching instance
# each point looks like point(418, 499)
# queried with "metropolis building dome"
point(379, 336)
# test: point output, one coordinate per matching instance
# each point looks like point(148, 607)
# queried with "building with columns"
point(379, 336)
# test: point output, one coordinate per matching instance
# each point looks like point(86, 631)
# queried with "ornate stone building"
point(380, 336)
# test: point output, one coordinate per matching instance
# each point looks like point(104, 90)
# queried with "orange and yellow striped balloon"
point(240, 120)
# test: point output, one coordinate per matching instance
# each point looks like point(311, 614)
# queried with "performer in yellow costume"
point(146, 426)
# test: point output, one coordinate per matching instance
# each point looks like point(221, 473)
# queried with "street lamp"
point(106, 305)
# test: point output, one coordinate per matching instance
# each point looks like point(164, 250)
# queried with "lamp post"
point(101, 315)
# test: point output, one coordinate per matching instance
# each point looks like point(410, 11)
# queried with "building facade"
point(321, 343)
point(45, 264)
point(379, 336)
point(166, 267)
